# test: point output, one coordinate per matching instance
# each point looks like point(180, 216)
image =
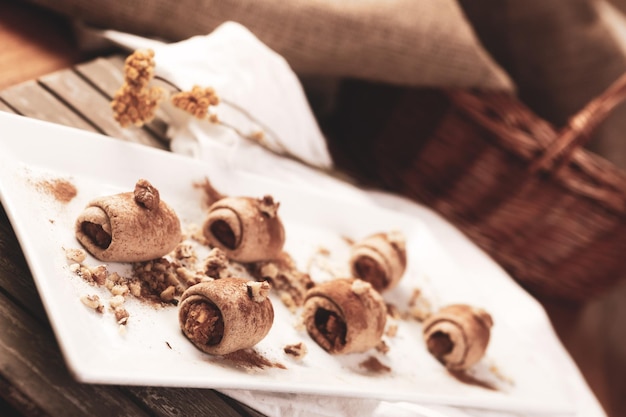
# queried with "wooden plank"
point(106, 75)
point(172, 402)
point(91, 104)
point(15, 276)
point(32, 364)
point(4, 107)
point(31, 100)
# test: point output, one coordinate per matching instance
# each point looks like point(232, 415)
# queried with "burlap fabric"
point(404, 42)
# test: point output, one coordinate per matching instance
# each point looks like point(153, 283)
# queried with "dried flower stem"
point(259, 137)
point(136, 102)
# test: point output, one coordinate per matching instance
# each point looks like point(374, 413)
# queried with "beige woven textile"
point(407, 42)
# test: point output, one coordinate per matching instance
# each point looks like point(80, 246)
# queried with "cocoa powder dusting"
point(372, 364)
point(211, 195)
point(62, 190)
point(466, 378)
point(250, 359)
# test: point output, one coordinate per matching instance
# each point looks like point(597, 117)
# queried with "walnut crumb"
point(116, 301)
point(121, 315)
point(75, 255)
point(146, 195)
point(420, 307)
point(120, 289)
point(269, 270)
point(93, 302)
point(168, 293)
point(216, 263)
point(382, 347)
point(392, 330)
point(360, 287)
point(184, 251)
point(297, 350)
point(268, 206)
point(99, 274)
point(258, 291)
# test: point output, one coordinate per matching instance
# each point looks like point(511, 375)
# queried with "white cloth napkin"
point(248, 74)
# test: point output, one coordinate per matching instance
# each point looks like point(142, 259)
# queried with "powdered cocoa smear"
point(250, 359)
point(372, 364)
point(466, 378)
point(211, 194)
point(62, 190)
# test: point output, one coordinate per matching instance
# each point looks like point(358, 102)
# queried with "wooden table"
point(34, 380)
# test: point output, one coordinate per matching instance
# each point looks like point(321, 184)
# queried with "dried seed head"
point(135, 107)
point(139, 68)
point(197, 101)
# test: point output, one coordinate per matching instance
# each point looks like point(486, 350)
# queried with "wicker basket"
point(550, 212)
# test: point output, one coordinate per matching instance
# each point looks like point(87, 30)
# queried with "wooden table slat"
point(166, 402)
point(30, 361)
point(4, 107)
point(83, 98)
point(15, 277)
point(30, 100)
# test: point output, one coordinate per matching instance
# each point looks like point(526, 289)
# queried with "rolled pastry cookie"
point(226, 315)
point(129, 227)
point(345, 315)
point(246, 229)
point(458, 335)
point(379, 259)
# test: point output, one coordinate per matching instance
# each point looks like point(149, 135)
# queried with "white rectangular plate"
point(153, 350)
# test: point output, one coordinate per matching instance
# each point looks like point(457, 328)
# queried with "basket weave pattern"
point(550, 212)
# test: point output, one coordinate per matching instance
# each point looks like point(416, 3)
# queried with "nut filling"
point(225, 315)
point(97, 234)
point(379, 259)
point(458, 335)
point(439, 345)
point(371, 271)
point(223, 232)
point(203, 323)
point(332, 328)
point(344, 315)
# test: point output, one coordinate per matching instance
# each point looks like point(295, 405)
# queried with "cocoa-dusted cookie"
point(345, 315)
point(226, 315)
point(458, 335)
point(247, 229)
point(379, 259)
point(129, 227)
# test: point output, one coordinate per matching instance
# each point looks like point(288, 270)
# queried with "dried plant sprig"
point(197, 101)
point(135, 103)
point(139, 68)
point(135, 107)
